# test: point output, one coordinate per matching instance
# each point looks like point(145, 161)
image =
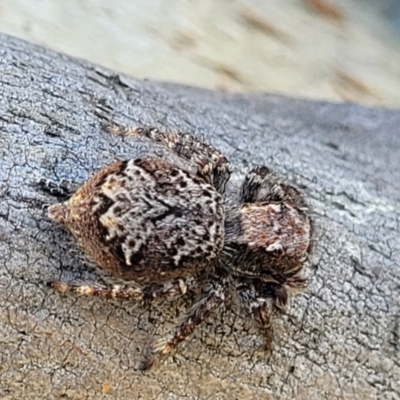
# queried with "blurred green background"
point(340, 50)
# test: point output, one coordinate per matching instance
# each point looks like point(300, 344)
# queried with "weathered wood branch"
point(340, 338)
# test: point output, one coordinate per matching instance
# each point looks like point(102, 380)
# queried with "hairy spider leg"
point(212, 165)
point(147, 293)
point(258, 308)
point(63, 188)
point(261, 184)
point(213, 297)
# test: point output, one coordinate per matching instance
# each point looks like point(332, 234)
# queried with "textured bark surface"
point(339, 339)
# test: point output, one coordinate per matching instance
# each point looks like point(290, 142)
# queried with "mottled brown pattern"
point(275, 227)
point(146, 220)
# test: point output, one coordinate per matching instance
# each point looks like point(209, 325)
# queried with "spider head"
point(279, 229)
point(271, 237)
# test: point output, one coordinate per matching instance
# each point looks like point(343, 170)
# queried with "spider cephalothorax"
point(161, 225)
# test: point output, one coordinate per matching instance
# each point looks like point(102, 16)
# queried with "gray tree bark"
point(340, 338)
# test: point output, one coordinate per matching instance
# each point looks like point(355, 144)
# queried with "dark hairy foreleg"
point(213, 297)
point(211, 164)
point(258, 307)
point(261, 184)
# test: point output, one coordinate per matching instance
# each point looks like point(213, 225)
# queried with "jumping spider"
point(161, 225)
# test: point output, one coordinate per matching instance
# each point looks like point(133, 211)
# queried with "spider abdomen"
point(146, 220)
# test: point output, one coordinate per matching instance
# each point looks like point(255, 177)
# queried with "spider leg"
point(257, 184)
point(261, 184)
point(63, 188)
point(147, 293)
point(212, 165)
point(258, 308)
point(213, 297)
